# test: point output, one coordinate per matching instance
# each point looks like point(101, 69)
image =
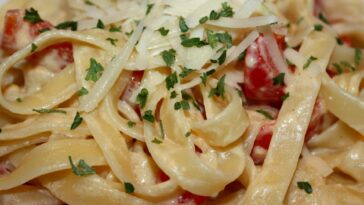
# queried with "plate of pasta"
point(181, 102)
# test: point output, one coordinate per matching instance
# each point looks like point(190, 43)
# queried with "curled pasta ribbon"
point(60, 88)
point(115, 150)
point(347, 107)
point(351, 82)
point(52, 157)
point(225, 127)
point(91, 190)
point(177, 158)
point(50, 122)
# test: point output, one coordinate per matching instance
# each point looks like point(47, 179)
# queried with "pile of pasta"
point(68, 135)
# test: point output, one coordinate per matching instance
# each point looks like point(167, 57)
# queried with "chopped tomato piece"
point(189, 198)
point(134, 84)
point(162, 177)
point(19, 32)
point(259, 72)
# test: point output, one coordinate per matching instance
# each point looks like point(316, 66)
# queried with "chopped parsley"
point(131, 124)
point(34, 47)
point(203, 20)
point(318, 27)
point(169, 57)
point(348, 65)
point(339, 41)
point(195, 104)
point(142, 97)
point(129, 188)
point(76, 121)
point(205, 75)
point(226, 11)
point(95, 71)
point(182, 25)
point(285, 96)
point(214, 15)
point(148, 116)
point(82, 168)
point(163, 31)
point(42, 111)
point(161, 129)
point(305, 186)
point(309, 61)
point(112, 41)
point(338, 68)
point(157, 141)
point(242, 56)
point(19, 100)
point(115, 29)
point(188, 134)
point(83, 91)
point(212, 39)
point(129, 33)
point(173, 94)
point(182, 105)
point(190, 42)
point(100, 24)
point(32, 16)
point(357, 56)
point(222, 58)
point(185, 72)
point(219, 91)
point(1, 130)
point(279, 79)
point(265, 114)
point(90, 3)
point(44, 30)
point(224, 38)
point(186, 96)
point(68, 24)
point(171, 80)
point(149, 8)
point(323, 18)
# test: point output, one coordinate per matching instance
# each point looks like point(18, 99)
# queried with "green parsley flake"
point(77, 120)
point(142, 97)
point(19, 100)
point(265, 114)
point(195, 104)
point(219, 91)
point(182, 105)
point(358, 56)
point(131, 124)
point(90, 3)
point(115, 29)
point(129, 188)
point(32, 16)
point(309, 61)
point(285, 96)
point(95, 71)
point(82, 169)
point(339, 41)
point(34, 47)
point(318, 27)
point(348, 65)
point(305, 186)
point(242, 56)
point(214, 15)
point(323, 18)
point(112, 41)
point(149, 8)
point(68, 24)
point(225, 38)
point(338, 68)
point(161, 129)
point(83, 91)
point(222, 58)
point(190, 42)
point(185, 72)
point(186, 96)
point(173, 95)
point(212, 39)
point(157, 141)
point(100, 24)
point(171, 80)
point(42, 111)
point(169, 57)
point(205, 75)
point(182, 25)
point(148, 116)
point(279, 79)
point(203, 20)
point(188, 134)
point(163, 31)
point(226, 11)
point(129, 33)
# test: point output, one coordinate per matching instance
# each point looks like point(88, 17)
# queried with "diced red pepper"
point(258, 84)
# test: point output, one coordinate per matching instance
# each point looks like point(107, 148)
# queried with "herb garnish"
point(34, 47)
point(279, 79)
point(305, 186)
point(82, 91)
point(169, 57)
point(265, 114)
point(219, 91)
point(68, 24)
point(149, 8)
point(129, 188)
point(112, 41)
point(142, 97)
point(76, 121)
point(185, 72)
point(182, 25)
point(42, 111)
point(131, 124)
point(171, 80)
point(163, 31)
point(309, 61)
point(82, 169)
point(100, 24)
point(95, 71)
point(148, 116)
point(32, 16)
